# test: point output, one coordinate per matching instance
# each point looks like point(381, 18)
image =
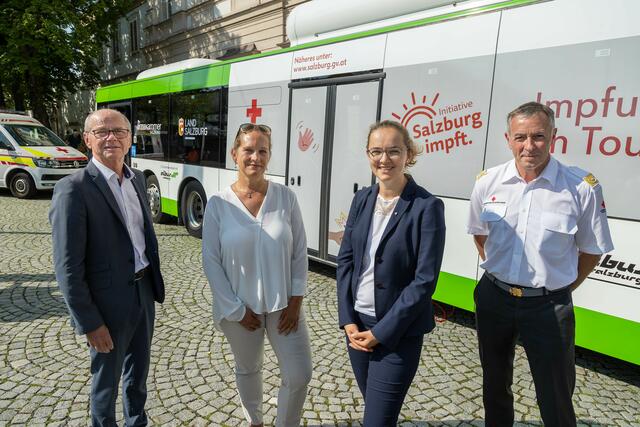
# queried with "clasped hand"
point(287, 323)
point(361, 341)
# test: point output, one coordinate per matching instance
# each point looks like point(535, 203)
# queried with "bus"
point(449, 72)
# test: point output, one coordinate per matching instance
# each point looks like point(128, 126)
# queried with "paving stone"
point(44, 367)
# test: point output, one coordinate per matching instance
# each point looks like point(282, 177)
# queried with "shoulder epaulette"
point(481, 174)
point(591, 180)
point(584, 175)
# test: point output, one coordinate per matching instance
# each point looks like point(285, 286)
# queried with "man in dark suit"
point(107, 266)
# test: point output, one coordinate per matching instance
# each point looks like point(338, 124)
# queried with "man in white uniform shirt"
point(540, 228)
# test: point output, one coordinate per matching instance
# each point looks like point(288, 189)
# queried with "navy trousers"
point(129, 359)
point(546, 326)
point(384, 376)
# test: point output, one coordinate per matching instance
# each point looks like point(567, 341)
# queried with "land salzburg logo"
point(440, 129)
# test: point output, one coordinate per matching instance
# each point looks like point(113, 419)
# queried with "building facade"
point(159, 32)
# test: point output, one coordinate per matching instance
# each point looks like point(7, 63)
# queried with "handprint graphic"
point(305, 139)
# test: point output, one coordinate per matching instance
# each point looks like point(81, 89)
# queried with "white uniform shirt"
point(365, 295)
point(129, 204)
point(257, 262)
point(536, 229)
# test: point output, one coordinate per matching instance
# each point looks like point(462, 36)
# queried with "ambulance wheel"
point(155, 200)
point(192, 205)
point(22, 186)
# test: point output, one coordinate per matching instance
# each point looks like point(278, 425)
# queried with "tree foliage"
point(48, 48)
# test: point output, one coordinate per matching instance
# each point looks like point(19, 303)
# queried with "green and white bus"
point(448, 71)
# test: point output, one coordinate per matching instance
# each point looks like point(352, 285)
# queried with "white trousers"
point(294, 359)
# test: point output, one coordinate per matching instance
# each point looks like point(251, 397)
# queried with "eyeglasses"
point(250, 127)
point(104, 133)
point(392, 153)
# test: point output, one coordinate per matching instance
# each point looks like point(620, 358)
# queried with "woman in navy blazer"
point(388, 266)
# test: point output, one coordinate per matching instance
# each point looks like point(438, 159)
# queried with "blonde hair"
point(254, 127)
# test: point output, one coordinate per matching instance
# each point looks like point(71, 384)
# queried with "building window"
point(115, 44)
point(133, 36)
point(165, 10)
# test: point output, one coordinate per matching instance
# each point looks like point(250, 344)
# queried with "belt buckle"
point(515, 292)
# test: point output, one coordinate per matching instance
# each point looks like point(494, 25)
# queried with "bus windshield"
point(34, 136)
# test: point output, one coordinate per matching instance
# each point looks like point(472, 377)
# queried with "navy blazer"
point(93, 253)
point(407, 262)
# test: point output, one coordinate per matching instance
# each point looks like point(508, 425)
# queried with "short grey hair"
point(531, 109)
point(88, 122)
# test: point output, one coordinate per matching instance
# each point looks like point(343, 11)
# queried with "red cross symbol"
point(254, 112)
point(64, 150)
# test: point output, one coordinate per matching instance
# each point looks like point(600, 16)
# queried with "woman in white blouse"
point(254, 254)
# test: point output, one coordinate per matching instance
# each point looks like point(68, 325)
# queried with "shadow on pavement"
point(587, 359)
point(32, 233)
point(457, 423)
point(40, 195)
point(30, 297)
point(323, 269)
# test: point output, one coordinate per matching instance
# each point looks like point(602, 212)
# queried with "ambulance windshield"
point(34, 136)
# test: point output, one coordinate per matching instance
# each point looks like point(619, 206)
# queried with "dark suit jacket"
point(407, 262)
point(93, 253)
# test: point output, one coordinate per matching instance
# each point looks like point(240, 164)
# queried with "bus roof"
point(215, 75)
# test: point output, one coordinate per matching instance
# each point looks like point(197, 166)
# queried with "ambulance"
point(32, 157)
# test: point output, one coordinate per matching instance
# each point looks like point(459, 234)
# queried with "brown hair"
point(531, 109)
point(412, 149)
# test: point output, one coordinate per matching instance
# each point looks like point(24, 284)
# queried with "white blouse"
point(365, 295)
point(256, 262)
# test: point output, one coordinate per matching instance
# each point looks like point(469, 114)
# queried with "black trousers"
point(384, 376)
point(129, 359)
point(546, 326)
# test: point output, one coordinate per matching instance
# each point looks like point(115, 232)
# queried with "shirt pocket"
point(558, 234)
point(493, 215)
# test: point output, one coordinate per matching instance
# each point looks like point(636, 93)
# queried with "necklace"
point(385, 207)
point(249, 193)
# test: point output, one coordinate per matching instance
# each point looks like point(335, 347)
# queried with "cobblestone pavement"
point(44, 376)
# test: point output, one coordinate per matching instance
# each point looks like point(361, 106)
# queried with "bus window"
point(151, 128)
point(196, 128)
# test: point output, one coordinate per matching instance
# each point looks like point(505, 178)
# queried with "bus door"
point(327, 163)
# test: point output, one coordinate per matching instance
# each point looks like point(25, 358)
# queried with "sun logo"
point(416, 110)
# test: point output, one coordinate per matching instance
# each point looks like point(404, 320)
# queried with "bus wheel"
point(193, 203)
point(155, 200)
point(22, 185)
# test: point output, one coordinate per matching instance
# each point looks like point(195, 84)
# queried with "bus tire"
point(22, 185)
point(154, 198)
point(192, 205)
